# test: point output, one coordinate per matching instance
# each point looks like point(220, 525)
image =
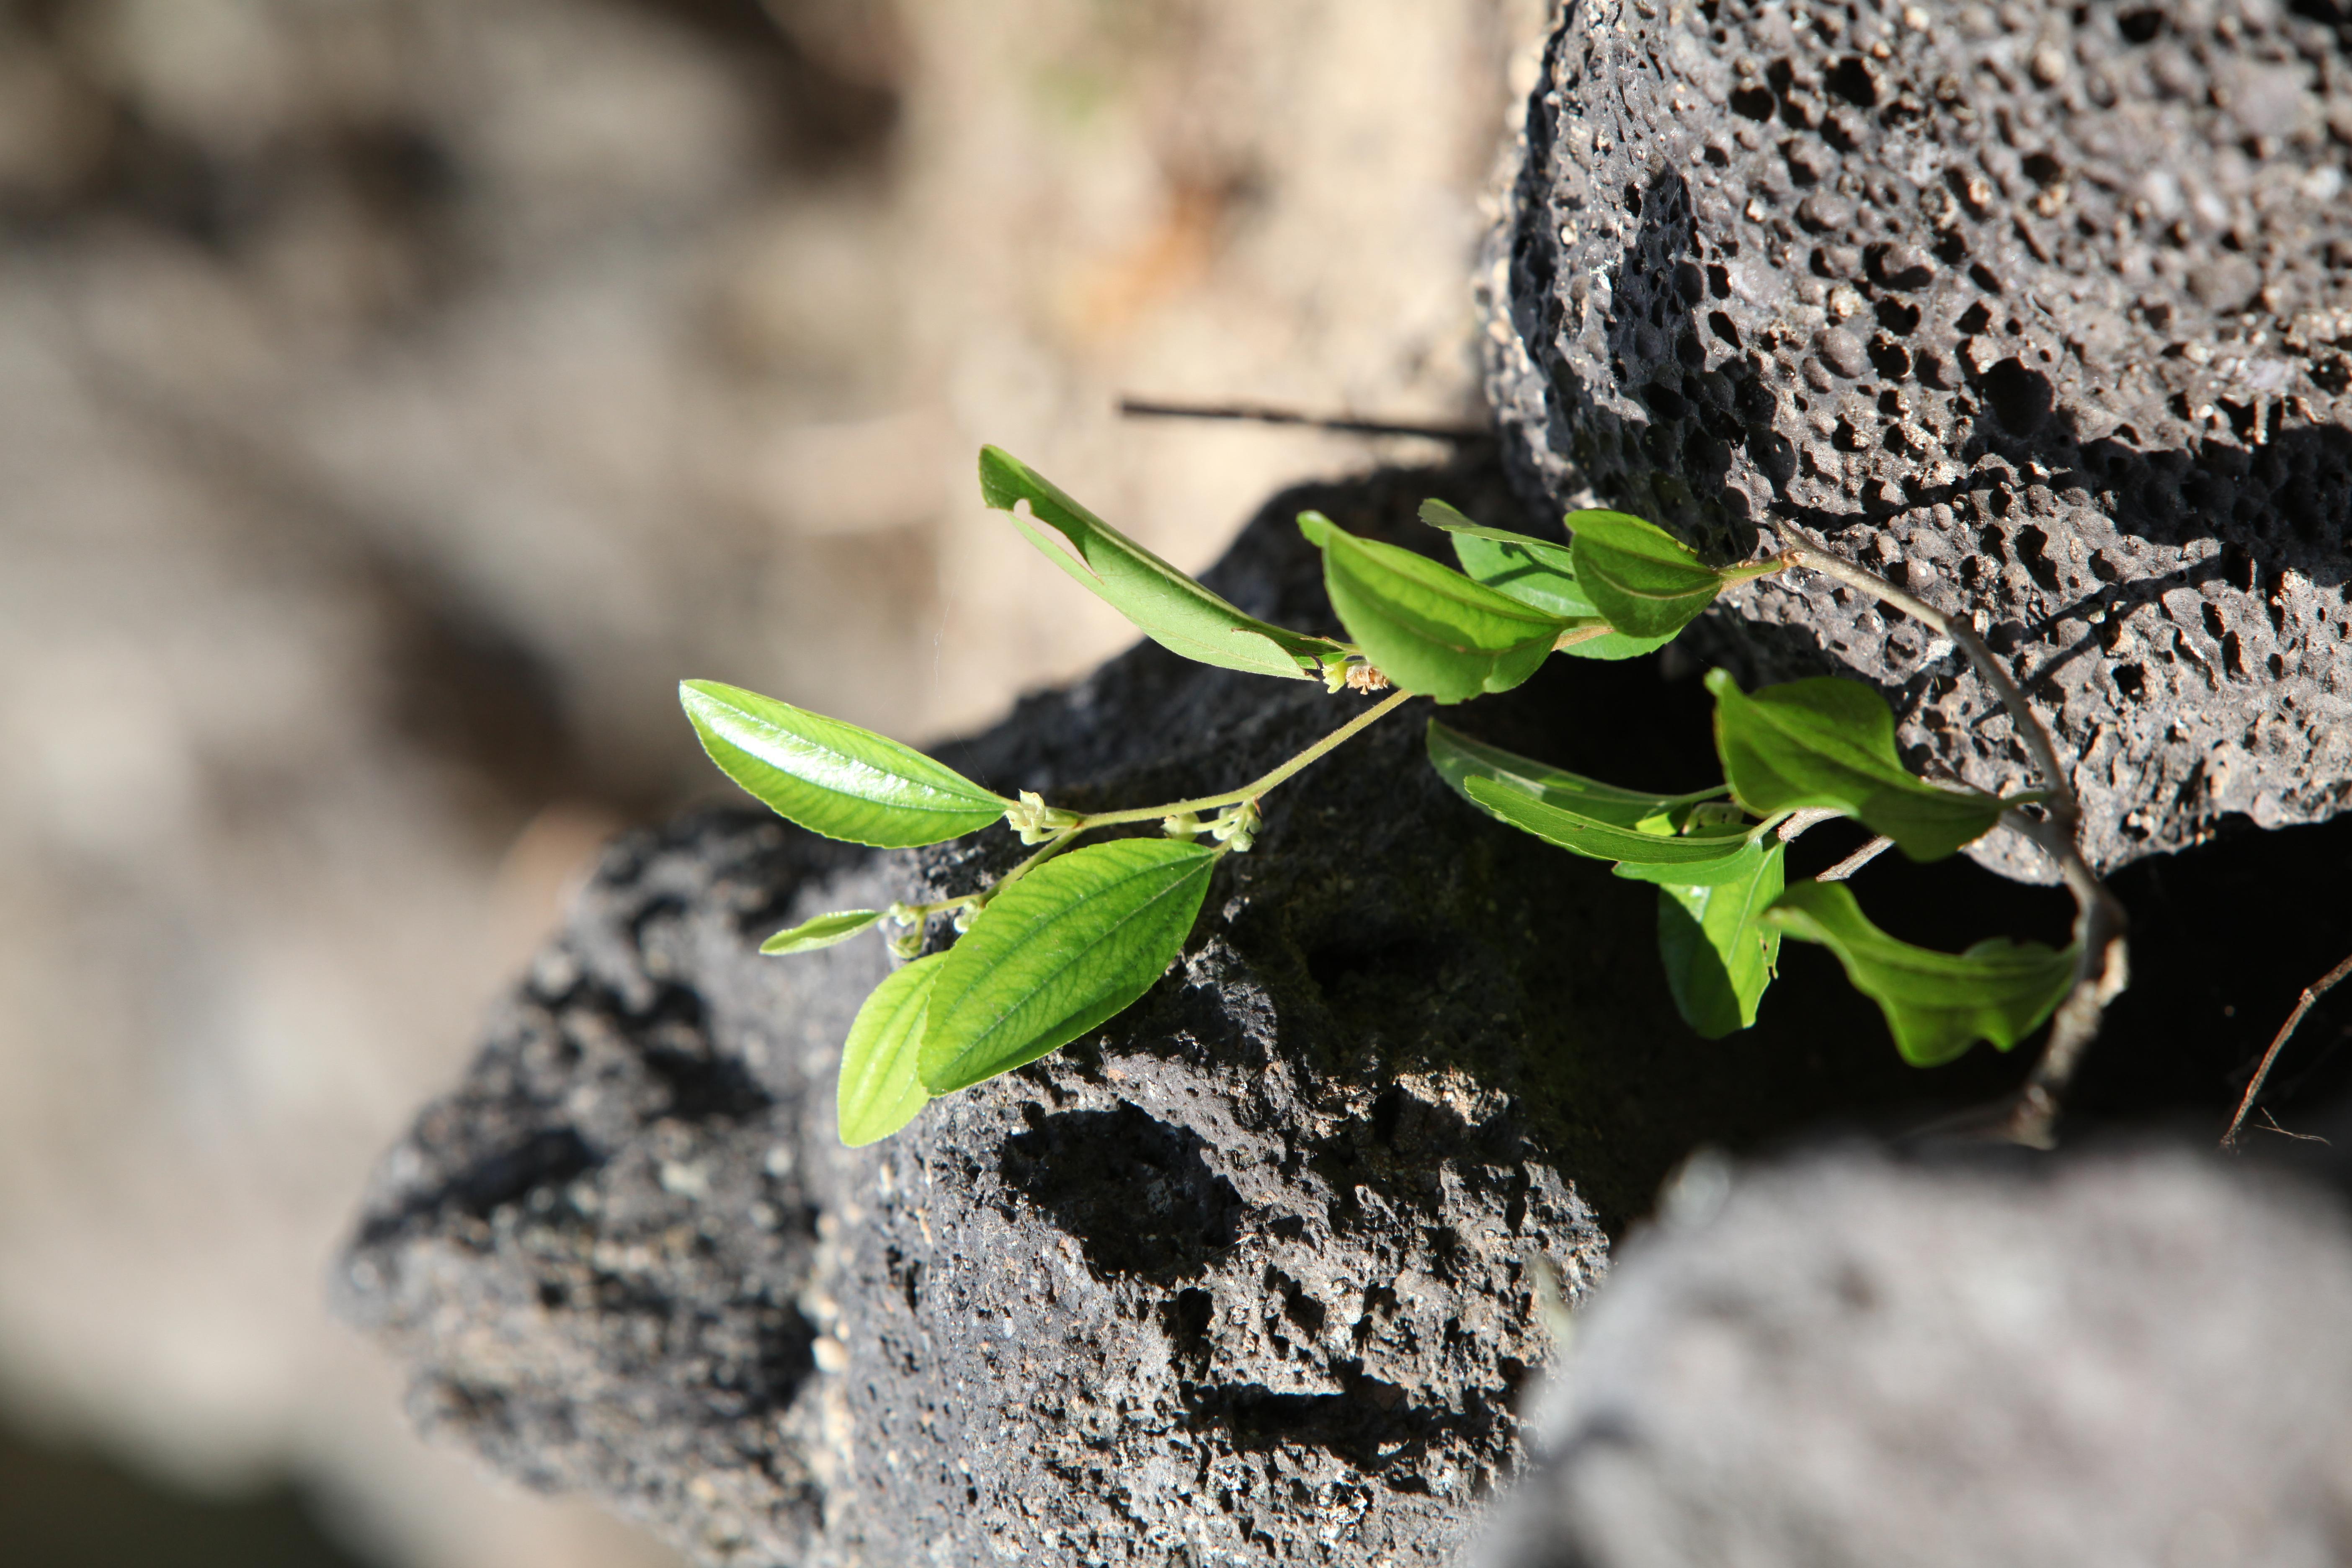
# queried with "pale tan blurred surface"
point(398, 396)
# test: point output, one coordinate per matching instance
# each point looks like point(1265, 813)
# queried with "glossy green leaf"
point(1645, 581)
point(1059, 951)
point(1588, 804)
point(1829, 743)
point(1936, 1004)
point(1698, 859)
point(1718, 957)
point(1458, 759)
point(821, 932)
point(1535, 573)
point(1169, 605)
point(880, 1090)
point(1426, 627)
point(831, 777)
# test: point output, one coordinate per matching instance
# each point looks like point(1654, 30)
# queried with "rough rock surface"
point(1245, 1277)
point(2046, 312)
point(1846, 1360)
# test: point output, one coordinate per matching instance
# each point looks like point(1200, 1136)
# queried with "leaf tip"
point(1000, 477)
point(1318, 528)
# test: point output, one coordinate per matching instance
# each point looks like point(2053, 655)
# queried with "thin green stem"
point(1053, 847)
point(1258, 786)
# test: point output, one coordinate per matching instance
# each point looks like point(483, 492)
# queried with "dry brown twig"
point(2101, 964)
point(1263, 413)
point(2311, 996)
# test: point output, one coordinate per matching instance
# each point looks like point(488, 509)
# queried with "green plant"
point(1074, 934)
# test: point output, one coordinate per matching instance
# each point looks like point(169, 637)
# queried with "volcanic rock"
point(2044, 311)
point(1842, 1361)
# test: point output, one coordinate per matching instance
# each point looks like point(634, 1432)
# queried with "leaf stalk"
point(1258, 786)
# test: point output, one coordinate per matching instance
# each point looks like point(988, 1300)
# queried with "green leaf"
point(1172, 609)
point(880, 1091)
point(834, 778)
point(1458, 758)
point(1059, 951)
point(1829, 743)
point(821, 932)
point(1718, 958)
point(1652, 837)
point(1424, 626)
point(1535, 573)
point(1695, 860)
point(1645, 581)
point(1936, 1004)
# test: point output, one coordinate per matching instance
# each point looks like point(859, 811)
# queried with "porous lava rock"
point(1247, 1276)
point(2045, 312)
point(1841, 1361)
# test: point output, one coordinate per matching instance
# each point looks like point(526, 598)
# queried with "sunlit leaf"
point(821, 932)
point(1426, 627)
point(1829, 743)
point(1170, 607)
point(1718, 957)
point(1936, 1004)
point(831, 777)
point(880, 1090)
point(1059, 951)
point(1535, 573)
point(1645, 581)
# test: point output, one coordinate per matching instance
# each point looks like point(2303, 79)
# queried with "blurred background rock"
point(396, 398)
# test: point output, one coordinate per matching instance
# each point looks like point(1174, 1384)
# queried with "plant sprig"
point(1076, 933)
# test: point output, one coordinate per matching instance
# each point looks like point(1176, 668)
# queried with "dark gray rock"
point(1845, 1360)
point(1245, 1277)
point(2045, 312)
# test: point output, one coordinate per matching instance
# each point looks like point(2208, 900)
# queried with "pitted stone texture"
point(2046, 313)
point(1843, 1361)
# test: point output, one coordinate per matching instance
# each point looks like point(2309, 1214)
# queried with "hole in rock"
point(1851, 79)
point(2020, 398)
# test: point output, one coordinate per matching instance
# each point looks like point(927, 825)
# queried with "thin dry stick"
point(1805, 818)
point(2101, 962)
point(1857, 860)
point(1259, 414)
point(2311, 993)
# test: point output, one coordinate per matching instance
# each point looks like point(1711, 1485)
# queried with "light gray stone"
point(1846, 1362)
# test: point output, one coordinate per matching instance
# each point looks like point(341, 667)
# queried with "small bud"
point(1236, 826)
point(1183, 824)
point(909, 945)
point(1034, 821)
point(901, 913)
point(965, 914)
